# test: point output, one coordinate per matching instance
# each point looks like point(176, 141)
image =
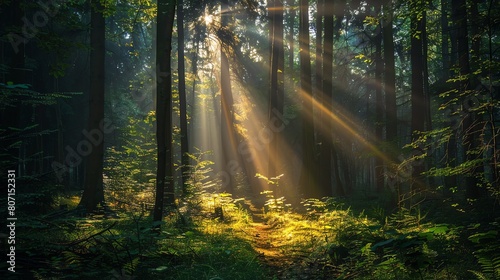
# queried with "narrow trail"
point(268, 242)
point(269, 251)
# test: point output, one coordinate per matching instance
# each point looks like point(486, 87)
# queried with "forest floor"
point(283, 262)
point(250, 242)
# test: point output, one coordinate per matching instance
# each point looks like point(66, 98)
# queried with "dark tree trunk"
point(445, 31)
point(337, 95)
point(459, 15)
point(164, 177)
point(317, 117)
point(379, 108)
point(306, 180)
point(451, 149)
point(391, 120)
point(276, 94)
point(194, 72)
point(291, 44)
point(93, 193)
point(13, 55)
point(326, 139)
point(182, 99)
point(417, 86)
point(228, 137)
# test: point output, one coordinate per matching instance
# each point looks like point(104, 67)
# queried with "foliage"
point(126, 247)
point(273, 203)
point(130, 170)
point(487, 251)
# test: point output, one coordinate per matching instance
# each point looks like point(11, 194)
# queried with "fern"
point(479, 275)
point(130, 267)
point(487, 254)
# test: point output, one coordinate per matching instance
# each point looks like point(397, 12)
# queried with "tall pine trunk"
point(391, 120)
point(379, 107)
point(326, 138)
point(93, 193)
point(291, 43)
point(230, 159)
point(306, 180)
point(470, 128)
point(164, 177)
point(182, 99)
point(318, 116)
point(276, 94)
point(417, 86)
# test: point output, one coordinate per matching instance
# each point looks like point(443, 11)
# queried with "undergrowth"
point(351, 244)
point(212, 235)
point(206, 247)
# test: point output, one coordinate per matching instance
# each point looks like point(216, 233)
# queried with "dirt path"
point(268, 241)
point(269, 252)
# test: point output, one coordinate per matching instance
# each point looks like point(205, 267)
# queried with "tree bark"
point(276, 94)
point(306, 180)
point(379, 107)
point(326, 139)
point(164, 177)
point(93, 193)
point(228, 137)
point(417, 86)
point(471, 124)
point(291, 43)
point(182, 99)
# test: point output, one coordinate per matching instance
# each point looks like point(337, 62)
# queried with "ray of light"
point(344, 124)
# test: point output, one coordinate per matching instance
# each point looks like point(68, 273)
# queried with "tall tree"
point(470, 141)
point(318, 123)
point(417, 82)
point(307, 176)
point(276, 94)
point(451, 153)
point(93, 193)
point(325, 137)
point(379, 104)
point(228, 136)
point(391, 121)
point(164, 194)
point(290, 39)
point(182, 97)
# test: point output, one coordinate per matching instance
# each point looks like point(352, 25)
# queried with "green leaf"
point(382, 244)
point(161, 268)
point(439, 229)
point(476, 238)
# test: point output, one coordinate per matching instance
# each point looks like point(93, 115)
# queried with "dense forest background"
point(292, 139)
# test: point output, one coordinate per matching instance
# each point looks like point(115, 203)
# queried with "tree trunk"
point(93, 193)
point(306, 180)
point(451, 149)
point(472, 123)
point(417, 86)
point(164, 176)
point(228, 138)
point(326, 138)
point(391, 120)
point(182, 99)
point(318, 115)
point(291, 45)
point(379, 107)
point(276, 94)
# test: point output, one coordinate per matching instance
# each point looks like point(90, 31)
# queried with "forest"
point(250, 139)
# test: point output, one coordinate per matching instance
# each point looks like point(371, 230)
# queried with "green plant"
point(273, 204)
point(129, 172)
point(487, 252)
